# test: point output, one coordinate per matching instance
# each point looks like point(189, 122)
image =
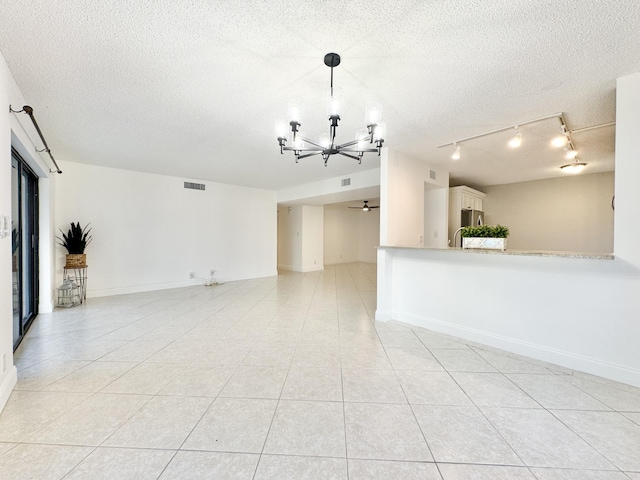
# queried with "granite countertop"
point(528, 253)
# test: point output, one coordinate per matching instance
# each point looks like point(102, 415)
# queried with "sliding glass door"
point(24, 246)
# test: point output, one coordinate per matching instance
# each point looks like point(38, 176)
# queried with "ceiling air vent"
point(432, 174)
point(346, 182)
point(194, 186)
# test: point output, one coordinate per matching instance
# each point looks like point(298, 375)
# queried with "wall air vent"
point(346, 182)
point(432, 174)
point(194, 186)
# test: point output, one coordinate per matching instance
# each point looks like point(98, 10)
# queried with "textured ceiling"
point(191, 88)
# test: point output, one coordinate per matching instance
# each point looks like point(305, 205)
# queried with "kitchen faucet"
point(455, 236)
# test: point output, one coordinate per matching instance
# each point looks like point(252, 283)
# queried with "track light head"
point(516, 141)
point(456, 153)
point(560, 141)
point(570, 153)
point(575, 167)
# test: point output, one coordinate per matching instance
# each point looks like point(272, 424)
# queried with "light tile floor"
point(289, 378)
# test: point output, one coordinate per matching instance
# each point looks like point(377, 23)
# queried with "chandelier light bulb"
point(334, 106)
point(335, 102)
point(295, 111)
point(324, 140)
point(373, 113)
point(298, 143)
point(379, 131)
point(456, 153)
point(361, 138)
point(516, 141)
point(280, 128)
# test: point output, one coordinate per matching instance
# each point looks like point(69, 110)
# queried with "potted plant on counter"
point(75, 241)
point(485, 236)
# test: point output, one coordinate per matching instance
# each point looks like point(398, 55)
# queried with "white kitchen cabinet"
point(461, 198)
point(471, 201)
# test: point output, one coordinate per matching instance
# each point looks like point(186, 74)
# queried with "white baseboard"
point(384, 316)
point(6, 387)
point(301, 270)
point(45, 306)
point(563, 358)
point(313, 269)
point(107, 292)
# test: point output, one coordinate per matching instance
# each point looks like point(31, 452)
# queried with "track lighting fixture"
point(456, 153)
point(563, 140)
point(516, 141)
point(570, 153)
point(559, 141)
point(575, 167)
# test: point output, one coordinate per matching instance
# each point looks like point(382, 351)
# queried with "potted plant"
point(485, 236)
point(75, 241)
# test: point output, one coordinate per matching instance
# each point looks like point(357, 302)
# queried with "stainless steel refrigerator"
point(470, 218)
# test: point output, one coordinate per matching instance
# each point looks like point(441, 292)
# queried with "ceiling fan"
point(365, 207)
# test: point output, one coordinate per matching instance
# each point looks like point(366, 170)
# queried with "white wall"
point(300, 238)
point(340, 231)
point(331, 187)
point(7, 370)
point(577, 312)
point(571, 213)
point(368, 235)
point(16, 130)
point(436, 201)
point(149, 232)
point(312, 238)
point(402, 192)
point(289, 240)
point(627, 225)
point(350, 235)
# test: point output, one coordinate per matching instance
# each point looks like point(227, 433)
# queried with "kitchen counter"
point(526, 253)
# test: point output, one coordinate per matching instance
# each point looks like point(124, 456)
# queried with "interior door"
point(24, 246)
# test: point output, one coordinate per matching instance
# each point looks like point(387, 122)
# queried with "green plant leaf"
point(76, 239)
point(485, 231)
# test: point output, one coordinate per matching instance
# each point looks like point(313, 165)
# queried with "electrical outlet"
point(192, 274)
point(4, 363)
point(212, 272)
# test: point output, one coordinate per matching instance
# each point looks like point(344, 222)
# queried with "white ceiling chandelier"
point(369, 139)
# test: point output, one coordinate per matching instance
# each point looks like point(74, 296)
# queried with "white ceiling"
point(191, 87)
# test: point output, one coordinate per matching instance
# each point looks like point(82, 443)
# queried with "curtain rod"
point(29, 111)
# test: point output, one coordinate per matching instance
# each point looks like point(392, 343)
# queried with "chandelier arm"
point(308, 155)
point(312, 143)
point(350, 156)
point(294, 149)
point(366, 150)
point(354, 142)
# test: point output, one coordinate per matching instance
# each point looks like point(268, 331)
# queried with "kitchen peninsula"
point(525, 253)
point(579, 311)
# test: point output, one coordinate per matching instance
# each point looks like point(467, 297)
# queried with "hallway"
point(290, 378)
